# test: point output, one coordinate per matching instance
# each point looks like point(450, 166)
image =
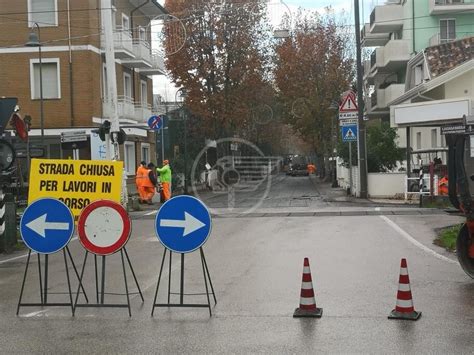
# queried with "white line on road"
point(33, 314)
point(151, 213)
point(24, 255)
point(416, 242)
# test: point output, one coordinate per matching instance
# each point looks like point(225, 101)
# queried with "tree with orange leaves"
point(223, 65)
point(313, 68)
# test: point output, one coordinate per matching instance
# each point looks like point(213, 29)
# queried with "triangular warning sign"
point(348, 105)
point(349, 134)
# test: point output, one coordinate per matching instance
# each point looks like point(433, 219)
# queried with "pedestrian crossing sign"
point(349, 133)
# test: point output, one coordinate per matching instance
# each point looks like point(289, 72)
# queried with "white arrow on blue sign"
point(47, 225)
point(183, 224)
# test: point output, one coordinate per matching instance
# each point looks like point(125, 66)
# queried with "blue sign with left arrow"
point(183, 224)
point(47, 225)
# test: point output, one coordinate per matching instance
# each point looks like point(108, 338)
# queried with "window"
point(146, 152)
point(104, 83)
point(434, 138)
point(43, 12)
point(127, 85)
point(447, 30)
point(418, 74)
point(143, 93)
point(418, 140)
point(125, 23)
point(51, 78)
point(142, 33)
point(129, 157)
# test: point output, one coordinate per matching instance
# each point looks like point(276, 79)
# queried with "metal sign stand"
point(181, 293)
point(102, 293)
point(44, 292)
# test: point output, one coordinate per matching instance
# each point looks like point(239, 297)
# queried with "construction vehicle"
point(461, 183)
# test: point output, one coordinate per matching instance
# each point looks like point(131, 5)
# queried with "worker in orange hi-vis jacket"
point(443, 186)
point(140, 177)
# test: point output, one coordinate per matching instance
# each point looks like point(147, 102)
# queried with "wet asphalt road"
point(256, 263)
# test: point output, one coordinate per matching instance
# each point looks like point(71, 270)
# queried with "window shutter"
point(50, 81)
point(43, 12)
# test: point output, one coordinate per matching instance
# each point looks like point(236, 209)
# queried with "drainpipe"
point(133, 30)
point(71, 86)
point(413, 23)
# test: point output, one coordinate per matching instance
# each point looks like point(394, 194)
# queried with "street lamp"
point(34, 40)
point(181, 93)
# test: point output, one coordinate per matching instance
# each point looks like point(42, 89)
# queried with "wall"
point(385, 185)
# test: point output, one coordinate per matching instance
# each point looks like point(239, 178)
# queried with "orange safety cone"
point(307, 306)
point(404, 308)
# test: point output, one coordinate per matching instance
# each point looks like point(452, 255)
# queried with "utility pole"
point(106, 14)
point(360, 102)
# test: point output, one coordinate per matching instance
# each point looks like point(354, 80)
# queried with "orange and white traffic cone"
point(404, 308)
point(307, 306)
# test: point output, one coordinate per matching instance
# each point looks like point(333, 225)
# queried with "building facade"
point(405, 34)
point(73, 72)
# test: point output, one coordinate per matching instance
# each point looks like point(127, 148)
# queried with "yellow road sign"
point(75, 182)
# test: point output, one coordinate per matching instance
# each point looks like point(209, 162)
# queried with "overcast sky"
point(162, 86)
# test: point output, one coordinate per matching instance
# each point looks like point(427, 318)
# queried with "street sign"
point(155, 122)
point(349, 133)
point(348, 104)
point(47, 225)
point(348, 122)
point(183, 224)
point(348, 115)
point(453, 129)
point(104, 227)
point(75, 182)
point(73, 136)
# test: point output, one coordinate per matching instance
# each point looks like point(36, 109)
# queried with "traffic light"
point(104, 129)
point(7, 106)
point(121, 137)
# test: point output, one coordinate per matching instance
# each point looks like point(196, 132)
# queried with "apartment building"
point(74, 76)
point(410, 65)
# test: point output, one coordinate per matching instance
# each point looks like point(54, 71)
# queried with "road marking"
point(33, 314)
point(377, 208)
point(416, 242)
point(151, 213)
point(24, 255)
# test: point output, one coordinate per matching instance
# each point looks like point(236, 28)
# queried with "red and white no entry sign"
point(104, 227)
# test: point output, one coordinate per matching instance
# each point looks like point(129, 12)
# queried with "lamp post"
point(334, 106)
point(181, 93)
point(34, 40)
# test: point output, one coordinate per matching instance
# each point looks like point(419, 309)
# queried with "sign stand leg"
point(126, 284)
point(102, 295)
point(77, 274)
point(23, 283)
point(181, 288)
point(205, 283)
point(46, 261)
point(80, 283)
point(133, 273)
point(169, 279)
point(208, 274)
point(68, 281)
point(96, 280)
point(159, 278)
point(40, 278)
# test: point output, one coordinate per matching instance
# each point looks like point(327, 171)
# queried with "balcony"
point(125, 108)
point(123, 44)
point(157, 65)
point(437, 40)
point(142, 112)
point(444, 7)
point(142, 53)
point(372, 39)
point(368, 77)
point(377, 59)
point(391, 57)
point(386, 18)
point(381, 98)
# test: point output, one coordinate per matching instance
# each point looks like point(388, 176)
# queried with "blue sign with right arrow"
point(47, 225)
point(349, 133)
point(183, 224)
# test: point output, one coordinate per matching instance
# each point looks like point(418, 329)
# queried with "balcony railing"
point(142, 112)
point(142, 55)
point(440, 7)
point(123, 43)
point(157, 64)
